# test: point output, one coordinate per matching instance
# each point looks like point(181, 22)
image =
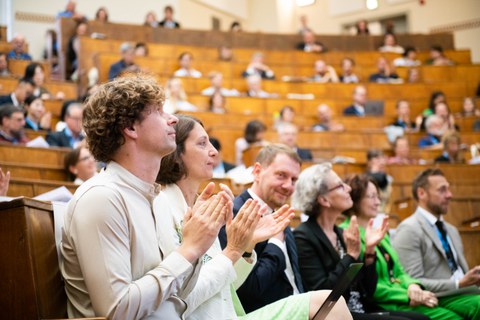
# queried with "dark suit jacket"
point(58, 139)
point(6, 99)
point(351, 111)
point(228, 166)
point(267, 282)
point(321, 266)
point(162, 24)
point(305, 154)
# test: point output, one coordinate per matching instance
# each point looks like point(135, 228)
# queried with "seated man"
point(384, 73)
point(403, 116)
point(309, 44)
point(409, 58)
point(254, 88)
point(258, 67)
point(359, 101)
point(126, 64)
point(3, 65)
point(186, 70)
point(287, 134)
point(72, 135)
point(452, 152)
point(431, 250)
point(12, 121)
point(438, 58)
point(23, 89)
point(401, 152)
point(216, 79)
point(325, 122)
point(348, 76)
point(168, 22)
point(18, 49)
point(435, 127)
point(324, 73)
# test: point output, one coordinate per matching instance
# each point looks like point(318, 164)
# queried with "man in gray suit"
point(431, 250)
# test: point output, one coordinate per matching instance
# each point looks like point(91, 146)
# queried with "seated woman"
point(213, 296)
point(35, 72)
point(36, 117)
point(390, 44)
point(253, 136)
point(216, 103)
point(286, 115)
point(469, 108)
point(80, 165)
point(395, 290)
point(452, 148)
point(101, 15)
point(401, 152)
point(176, 97)
point(325, 251)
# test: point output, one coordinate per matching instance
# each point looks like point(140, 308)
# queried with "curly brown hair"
point(115, 106)
point(173, 168)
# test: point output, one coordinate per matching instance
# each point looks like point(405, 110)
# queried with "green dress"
point(391, 292)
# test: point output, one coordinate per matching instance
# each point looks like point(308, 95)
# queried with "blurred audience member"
point(437, 57)
point(176, 97)
point(236, 27)
point(413, 75)
point(348, 76)
point(401, 151)
point(36, 116)
point(186, 70)
point(220, 167)
point(12, 122)
point(403, 116)
point(442, 110)
point(141, 49)
point(225, 53)
point(168, 22)
point(216, 85)
point(359, 101)
point(325, 122)
point(73, 48)
point(435, 127)
point(324, 73)
point(408, 59)
point(304, 25)
point(452, 151)
point(390, 44)
point(35, 72)
point(469, 108)
point(23, 89)
point(287, 134)
point(3, 65)
point(18, 49)
point(217, 102)
point(309, 44)
point(4, 182)
point(151, 19)
point(253, 135)
point(71, 12)
point(286, 115)
point(254, 88)
point(376, 165)
point(258, 67)
point(101, 15)
point(384, 73)
point(80, 165)
point(126, 63)
point(72, 135)
point(362, 27)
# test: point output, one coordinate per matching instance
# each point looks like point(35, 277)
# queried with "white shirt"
point(223, 91)
point(188, 73)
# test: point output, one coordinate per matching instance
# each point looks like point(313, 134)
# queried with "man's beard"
point(436, 209)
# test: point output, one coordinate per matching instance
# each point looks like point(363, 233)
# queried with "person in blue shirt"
point(18, 49)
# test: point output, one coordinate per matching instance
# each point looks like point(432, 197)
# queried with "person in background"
point(36, 73)
point(384, 74)
point(325, 121)
point(4, 182)
point(469, 108)
point(73, 47)
point(186, 70)
point(4, 72)
point(403, 116)
point(80, 165)
point(324, 73)
point(101, 15)
point(217, 102)
point(258, 67)
point(304, 24)
point(176, 97)
point(36, 117)
point(286, 115)
point(442, 110)
point(390, 44)
point(362, 27)
point(168, 22)
point(348, 76)
point(23, 89)
point(287, 134)
point(126, 63)
point(71, 12)
point(359, 101)
point(220, 167)
point(72, 135)
point(216, 85)
point(438, 58)
point(435, 127)
point(309, 44)
point(254, 88)
point(236, 27)
point(18, 49)
point(401, 152)
point(12, 122)
point(452, 148)
point(408, 59)
point(225, 53)
point(151, 19)
point(253, 135)
point(141, 49)
point(376, 168)
point(413, 75)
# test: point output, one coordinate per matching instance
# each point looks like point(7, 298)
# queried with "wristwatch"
point(247, 254)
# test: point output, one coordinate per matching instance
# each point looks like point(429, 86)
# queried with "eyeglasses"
point(341, 186)
point(85, 158)
point(372, 196)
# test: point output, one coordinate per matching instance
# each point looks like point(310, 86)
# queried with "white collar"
point(256, 197)
point(428, 216)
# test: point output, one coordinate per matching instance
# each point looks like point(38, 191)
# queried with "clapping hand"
point(373, 236)
point(351, 236)
point(271, 224)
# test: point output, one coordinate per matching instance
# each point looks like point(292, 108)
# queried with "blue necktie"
point(446, 246)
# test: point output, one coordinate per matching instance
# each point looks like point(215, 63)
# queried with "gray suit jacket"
point(422, 255)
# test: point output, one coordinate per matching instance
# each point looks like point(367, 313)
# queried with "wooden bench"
point(34, 171)
point(33, 187)
point(36, 156)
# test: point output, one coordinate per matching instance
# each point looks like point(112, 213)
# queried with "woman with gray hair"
point(324, 250)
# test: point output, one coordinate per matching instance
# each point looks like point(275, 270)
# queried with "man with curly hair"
point(112, 262)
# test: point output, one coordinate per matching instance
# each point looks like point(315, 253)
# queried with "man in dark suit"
point(17, 97)
point(309, 44)
point(168, 21)
point(276, 274)
point(220, 167)
point(72, 135)
point(359, 101)
point(287, 134)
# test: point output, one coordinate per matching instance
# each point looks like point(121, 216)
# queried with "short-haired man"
point(431, 250)
point(276, 274)
point(359, 101)
point(12, 121)
point(18, 49)
point(287, 134)
point(126, 64)
point(23, 89)
point(112, 264)
point(72, 135)
point(168, 22)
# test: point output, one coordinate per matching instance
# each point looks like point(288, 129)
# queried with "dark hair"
point(180, 57)
point(28, 100)
point(71, 159)
point(216, 143)
point(142, 45)
point(172, 168)
point(235, 24)
point(7, 110)
point(359, 184)
point(252, 129)
point(97, 14)
point(436, 48)
point(357, 25)
point(212, 97)
point(374, 153)
point(421, 181)
point(433, 97)
point(2, 54)
point(349, 59)
point(395, 142)
point(282, 111)
point(169, 8)
point(26, 81)
point(408, 50)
